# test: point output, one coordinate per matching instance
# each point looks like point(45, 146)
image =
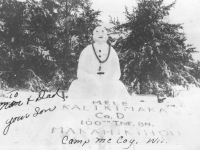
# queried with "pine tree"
point(40, 41)
point(153, 53)
point(195, 70)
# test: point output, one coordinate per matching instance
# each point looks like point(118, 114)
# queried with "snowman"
point(98, 72)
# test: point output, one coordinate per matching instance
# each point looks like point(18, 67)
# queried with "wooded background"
point(40, 44)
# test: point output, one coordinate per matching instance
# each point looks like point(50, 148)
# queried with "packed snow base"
point(51, 121)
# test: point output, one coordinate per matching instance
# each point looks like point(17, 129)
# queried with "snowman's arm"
point(82, 72)
point(114, 73)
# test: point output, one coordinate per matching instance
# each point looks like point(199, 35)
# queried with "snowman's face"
point(100, 34)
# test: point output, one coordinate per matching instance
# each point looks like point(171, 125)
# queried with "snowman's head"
point(100, 34)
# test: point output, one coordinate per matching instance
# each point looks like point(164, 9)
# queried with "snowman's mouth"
point(101, 37)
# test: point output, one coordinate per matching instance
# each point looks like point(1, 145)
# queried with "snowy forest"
point(40, 44)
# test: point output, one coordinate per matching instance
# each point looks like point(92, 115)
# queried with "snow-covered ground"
point(46, 123)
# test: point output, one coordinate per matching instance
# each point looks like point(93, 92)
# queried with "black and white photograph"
point(99, 75)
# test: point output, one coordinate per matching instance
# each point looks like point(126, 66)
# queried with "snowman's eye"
point(96, 31)
point(102, 31)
